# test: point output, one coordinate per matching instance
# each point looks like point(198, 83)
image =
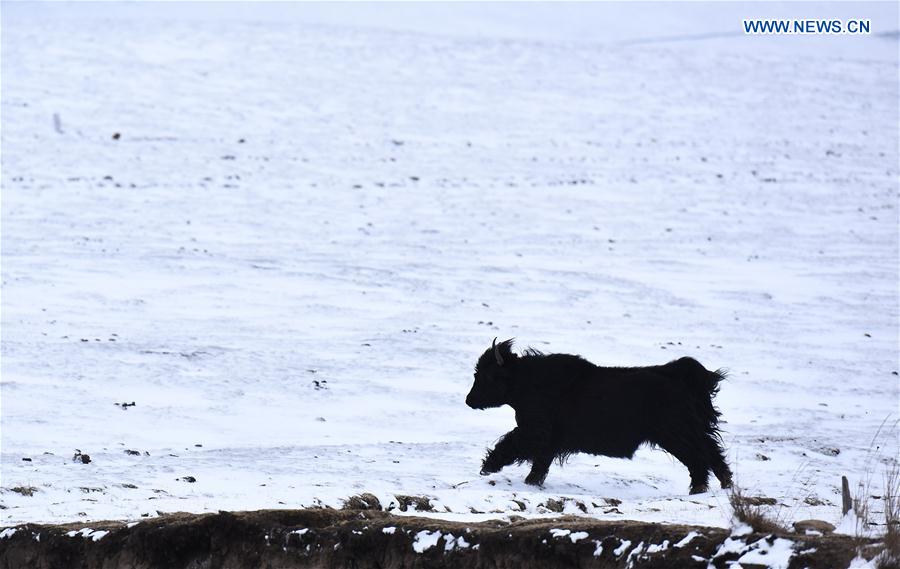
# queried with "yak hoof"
point(534, 481)
point(485, 470)
point(699, 489)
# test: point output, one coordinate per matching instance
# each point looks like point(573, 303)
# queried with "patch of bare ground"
point(368, 538)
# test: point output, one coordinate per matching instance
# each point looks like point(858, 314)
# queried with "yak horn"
point(497, 353)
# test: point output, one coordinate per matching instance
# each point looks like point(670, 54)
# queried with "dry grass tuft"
point(365, 501)
point(754, 512)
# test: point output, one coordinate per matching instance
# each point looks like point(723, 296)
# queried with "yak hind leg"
point(692, 456)
point(723, 473)
point(719, 465)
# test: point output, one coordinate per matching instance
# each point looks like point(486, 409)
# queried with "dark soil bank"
point(329, 538)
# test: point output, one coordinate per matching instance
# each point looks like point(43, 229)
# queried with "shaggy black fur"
point(565, 404)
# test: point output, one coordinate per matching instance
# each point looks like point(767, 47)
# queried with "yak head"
point(493, 377)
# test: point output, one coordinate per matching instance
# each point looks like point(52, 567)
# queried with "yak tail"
point(699, 380)
point(708, 381)
point(703, 385)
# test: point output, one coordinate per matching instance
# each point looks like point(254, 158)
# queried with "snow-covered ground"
point(312, 222)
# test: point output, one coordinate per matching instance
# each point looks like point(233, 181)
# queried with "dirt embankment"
point(374, 539)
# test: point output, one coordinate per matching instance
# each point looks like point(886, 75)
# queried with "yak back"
point(559, 378)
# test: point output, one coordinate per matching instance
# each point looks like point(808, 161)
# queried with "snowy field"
point(286, 233)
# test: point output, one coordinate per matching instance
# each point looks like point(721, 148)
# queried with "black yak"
point(565, 404)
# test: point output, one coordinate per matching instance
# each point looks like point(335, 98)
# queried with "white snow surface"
point(312, 224)
point(95, 535)
point(451, 542)
point(425, 540)
point(687, 539)
point(775, 555)
point(574, 536)
point(623, 547)
point(740, 529)
point(578, 535)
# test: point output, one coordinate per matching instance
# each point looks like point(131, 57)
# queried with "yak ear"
point(503, 351)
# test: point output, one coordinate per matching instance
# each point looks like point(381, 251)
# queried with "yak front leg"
point(507, 451)
point(537, 436)
point(542, 452)
point(540, 466)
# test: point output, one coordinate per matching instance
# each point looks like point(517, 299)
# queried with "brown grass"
point(365, 501)
point(890, 558)
point(754, 512)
